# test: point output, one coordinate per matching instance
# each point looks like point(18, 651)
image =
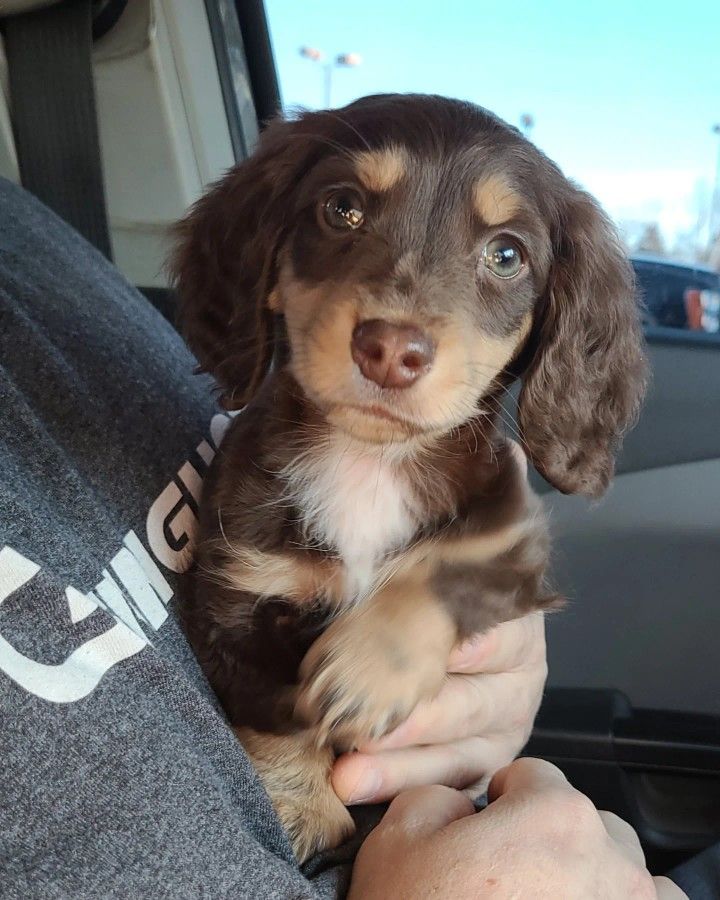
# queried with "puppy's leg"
point(367, 672)
point(296, 774)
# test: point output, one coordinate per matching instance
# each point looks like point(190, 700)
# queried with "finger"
point(668, 890)
point(468, 706)
point(527, 774)
point(365, 778)
point(510, 646)
point(623, 834)
point(427, 809)
point(472, 654)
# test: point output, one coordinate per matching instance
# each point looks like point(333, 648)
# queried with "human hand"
point(539, 838)
point(478, 723)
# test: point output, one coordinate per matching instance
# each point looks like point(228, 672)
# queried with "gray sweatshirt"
point(119, 776)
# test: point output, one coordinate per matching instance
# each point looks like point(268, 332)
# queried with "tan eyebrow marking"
point(381, 170)
point(495, 199)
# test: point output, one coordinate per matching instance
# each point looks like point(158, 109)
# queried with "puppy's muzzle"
point(392, 355)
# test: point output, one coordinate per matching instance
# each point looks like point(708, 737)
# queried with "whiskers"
point(332, 115)
point(497, 408)
point(325, 141)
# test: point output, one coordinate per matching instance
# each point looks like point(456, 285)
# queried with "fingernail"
point(367, 787)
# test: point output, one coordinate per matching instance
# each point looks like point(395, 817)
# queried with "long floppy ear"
point(584, 386)
point(224, 264)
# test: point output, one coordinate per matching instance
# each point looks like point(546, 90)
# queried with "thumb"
point(424, 810)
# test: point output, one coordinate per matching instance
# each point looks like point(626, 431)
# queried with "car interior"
point(122, 124)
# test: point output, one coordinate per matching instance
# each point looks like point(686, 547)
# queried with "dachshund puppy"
point(368, 284)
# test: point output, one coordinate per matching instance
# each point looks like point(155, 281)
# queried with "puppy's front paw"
point(296, 774)
point(359, 681)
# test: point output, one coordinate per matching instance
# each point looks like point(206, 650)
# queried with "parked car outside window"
point(679, 296)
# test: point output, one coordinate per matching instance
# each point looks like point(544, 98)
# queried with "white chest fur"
point(355, 500)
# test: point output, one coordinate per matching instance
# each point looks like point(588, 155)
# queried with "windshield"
point(624, 97)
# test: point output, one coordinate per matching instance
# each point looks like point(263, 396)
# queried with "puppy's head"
point(419, 250)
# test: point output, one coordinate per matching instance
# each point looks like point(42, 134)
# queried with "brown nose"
point(393, 356)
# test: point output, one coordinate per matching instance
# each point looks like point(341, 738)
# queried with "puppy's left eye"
point(503, 256)
point(343, 209)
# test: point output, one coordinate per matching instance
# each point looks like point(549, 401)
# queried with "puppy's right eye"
point(343, 210)
point(504, 257)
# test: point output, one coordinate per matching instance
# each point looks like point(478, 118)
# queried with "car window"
point(679, 296)
point(624, 97)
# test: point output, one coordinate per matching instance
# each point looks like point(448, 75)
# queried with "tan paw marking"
point(296, 775)
point(369, 670)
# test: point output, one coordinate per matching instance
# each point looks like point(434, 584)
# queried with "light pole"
point(714, 223)
point(342, 60)
point(527, 123)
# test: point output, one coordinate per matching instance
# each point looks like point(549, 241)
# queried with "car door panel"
point(642, 566)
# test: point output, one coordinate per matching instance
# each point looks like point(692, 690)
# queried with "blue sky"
point(624, 94)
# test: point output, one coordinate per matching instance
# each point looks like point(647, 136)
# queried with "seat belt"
point(54, 116)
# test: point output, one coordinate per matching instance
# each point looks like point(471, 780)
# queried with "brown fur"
point(298, 577)
point(309, 650)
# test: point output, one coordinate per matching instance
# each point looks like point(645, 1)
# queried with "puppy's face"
point(416, 247)
point(407, 280)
